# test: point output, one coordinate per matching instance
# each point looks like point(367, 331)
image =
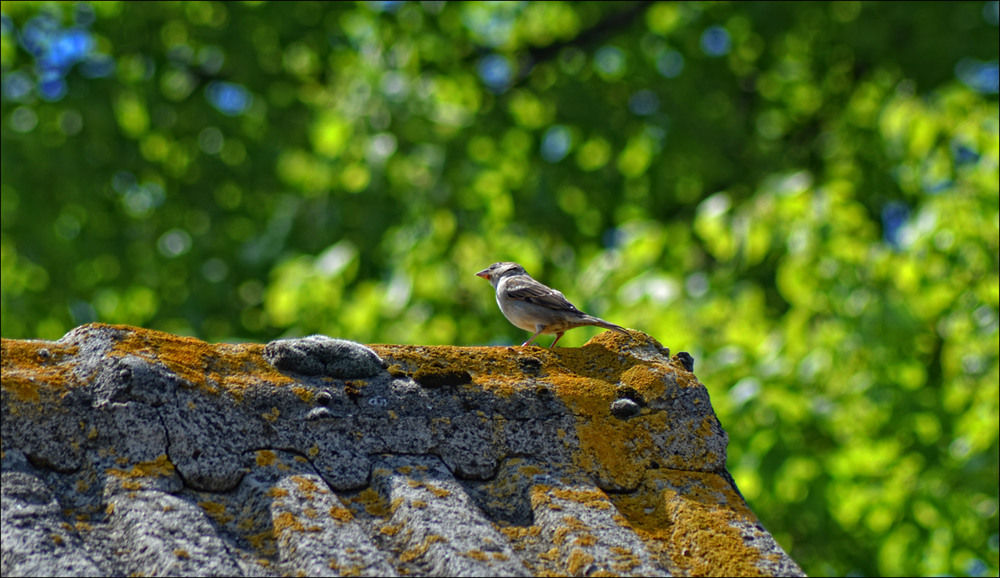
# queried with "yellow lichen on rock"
point(693, 517)
point(372, 502)
point(161, 466)
point(33, 368)
point(285, 521)
point(420, 550)
point(211, 367)
point(341, 514)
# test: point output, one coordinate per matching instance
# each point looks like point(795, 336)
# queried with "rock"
point(685, 359)
point(625, 408)
point(322, 355)
point(131, 451)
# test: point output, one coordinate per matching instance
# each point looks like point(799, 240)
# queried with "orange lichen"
point(439, 492)
point(477, 555)
point(33, 368)
point(574, 524)
point(276, 492)
point(530, 470)
point(287, 521)
point(551, 554)
point(161, 466)
point(489, 367)
point(304, 394)
point(266, 458)
point(559, 536)
point(692, 517)
point(210, 367)
point(132, 485)
point(520, 532)
point(414, 553)
point(540, 496)
point(625, 560)
point(587, 379)
point(262, 541)
point(625, 567)
point(372, 502)
point(216, 511)
point(609, 448)
point(577, 560)
point(437, 422)
point(306, 486)
point(648, 381)
point(390, 530)
point(264, 545)
point(341, 514)
point(589, 498)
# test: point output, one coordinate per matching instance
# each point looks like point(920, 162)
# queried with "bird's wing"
point(531, 291)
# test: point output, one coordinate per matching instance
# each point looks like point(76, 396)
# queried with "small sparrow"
point(534, 307)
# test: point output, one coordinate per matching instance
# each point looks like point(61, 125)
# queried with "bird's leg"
point(558, 337)
point(537, 333)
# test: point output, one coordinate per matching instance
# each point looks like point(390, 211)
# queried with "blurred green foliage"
point(802, 195)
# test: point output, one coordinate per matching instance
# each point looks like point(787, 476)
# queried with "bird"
point(533, 306)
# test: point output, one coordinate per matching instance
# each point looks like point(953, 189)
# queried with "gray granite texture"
point(127, 451)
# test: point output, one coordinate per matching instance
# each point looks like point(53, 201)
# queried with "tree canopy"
point(803, 195)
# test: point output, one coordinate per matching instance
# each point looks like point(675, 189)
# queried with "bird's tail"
point(602, 323)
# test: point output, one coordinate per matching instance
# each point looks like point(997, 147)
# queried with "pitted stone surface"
point(131, 451)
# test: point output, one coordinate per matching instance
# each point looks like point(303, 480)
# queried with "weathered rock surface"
point(130, 451)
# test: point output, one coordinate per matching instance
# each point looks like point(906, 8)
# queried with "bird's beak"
point(485, 274)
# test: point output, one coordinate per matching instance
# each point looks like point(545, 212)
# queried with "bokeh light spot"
point(715, 41)
point(228, 98)
point(609, 61)
point(174, 243)
point(556, 143)
point(495, 70)
point(983, 77)
point(670, 63)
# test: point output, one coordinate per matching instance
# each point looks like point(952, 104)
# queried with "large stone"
point(131, 451)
